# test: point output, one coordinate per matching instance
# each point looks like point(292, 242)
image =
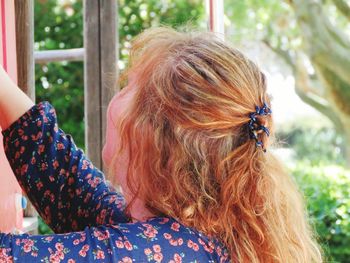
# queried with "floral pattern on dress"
point(86, 213)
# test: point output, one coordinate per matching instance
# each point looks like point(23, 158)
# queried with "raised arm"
point(13, 102)
point(63, 185)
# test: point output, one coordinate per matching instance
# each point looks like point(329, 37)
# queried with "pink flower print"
point(56, 164)
point(36, 137)
point(24, 169)
point(177, 258)
point(87, 197)
point(125, 260)
point(60, 146)
point(39, 185)
point(83, 250)
point(60, 254)
point(101, 235)
point(71, 260)
point(128, 245)
point(86, 247)
point(71, 180)
point(156, 248)
point(78, 191)
point(85, 165)
point(158, 257)
point(147, 251)
point(22, 150)
point(176, 242)
point(100, 254)
point(29, 242)
point(54, 258)
point(82, 253)
point(44, 166)
point(74, 169)
point(175, 226)
point(41, 148)
point(76, 242)
point(27, 248)
point(83, 237)
point(49, 239)
point(59, 246)
point(17, 155)
point(167, 235)
point(193, 245)
point(119, 244)
point(150, 232)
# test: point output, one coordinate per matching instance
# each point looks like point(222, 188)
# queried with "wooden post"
point(24, 12)
point(25, 45)
point(215, 13)
point(100, 45)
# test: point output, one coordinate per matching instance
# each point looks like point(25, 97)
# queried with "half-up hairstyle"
point(187, 131)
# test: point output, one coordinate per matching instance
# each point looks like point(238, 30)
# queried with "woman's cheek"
point(105, 156)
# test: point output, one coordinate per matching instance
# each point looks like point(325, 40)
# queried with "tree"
point(59, 25)
point(311, 37)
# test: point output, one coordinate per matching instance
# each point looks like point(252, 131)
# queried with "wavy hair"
point(186, 130)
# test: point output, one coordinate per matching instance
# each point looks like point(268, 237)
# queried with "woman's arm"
point(13, 102)
point(63, 185)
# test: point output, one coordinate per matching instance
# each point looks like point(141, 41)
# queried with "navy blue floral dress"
point(74, 199)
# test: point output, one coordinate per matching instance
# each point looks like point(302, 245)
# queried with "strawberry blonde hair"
point(189, 136)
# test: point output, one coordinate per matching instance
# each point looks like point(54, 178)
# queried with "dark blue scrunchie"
point(255, 126)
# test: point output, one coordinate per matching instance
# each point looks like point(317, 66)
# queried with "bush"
point(313, 139)
point(326, 189)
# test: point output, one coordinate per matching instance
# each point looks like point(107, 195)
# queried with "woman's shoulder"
point(166, 238)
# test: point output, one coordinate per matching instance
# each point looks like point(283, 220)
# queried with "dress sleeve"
point(157, 240)
point(60, 181)
point(91, 245)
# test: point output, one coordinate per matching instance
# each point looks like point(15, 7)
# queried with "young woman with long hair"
point(189, 141)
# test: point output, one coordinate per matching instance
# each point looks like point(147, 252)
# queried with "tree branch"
point(285, 55)
point(326, 44)
point(307, 92)
point(343, 8)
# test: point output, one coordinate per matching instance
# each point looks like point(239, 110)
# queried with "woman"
point(188, 141)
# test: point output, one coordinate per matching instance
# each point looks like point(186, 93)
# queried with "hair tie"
point(255, 126)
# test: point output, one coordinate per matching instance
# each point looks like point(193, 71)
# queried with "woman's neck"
point(138, 210)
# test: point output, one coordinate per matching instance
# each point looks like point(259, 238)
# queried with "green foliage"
point(318, 170)
point(43, 229)
point(135, 16)
point(314, 141)
point(61, 27)
point(327, 192)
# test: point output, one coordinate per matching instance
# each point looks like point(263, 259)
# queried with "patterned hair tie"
point(255, 126)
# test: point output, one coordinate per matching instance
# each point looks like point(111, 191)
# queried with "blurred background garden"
point(303, 46)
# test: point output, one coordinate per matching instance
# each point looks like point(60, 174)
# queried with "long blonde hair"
point(186, 130)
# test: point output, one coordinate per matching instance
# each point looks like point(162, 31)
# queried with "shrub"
point(327, 193)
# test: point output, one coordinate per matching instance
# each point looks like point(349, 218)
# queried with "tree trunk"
point(329, 52)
